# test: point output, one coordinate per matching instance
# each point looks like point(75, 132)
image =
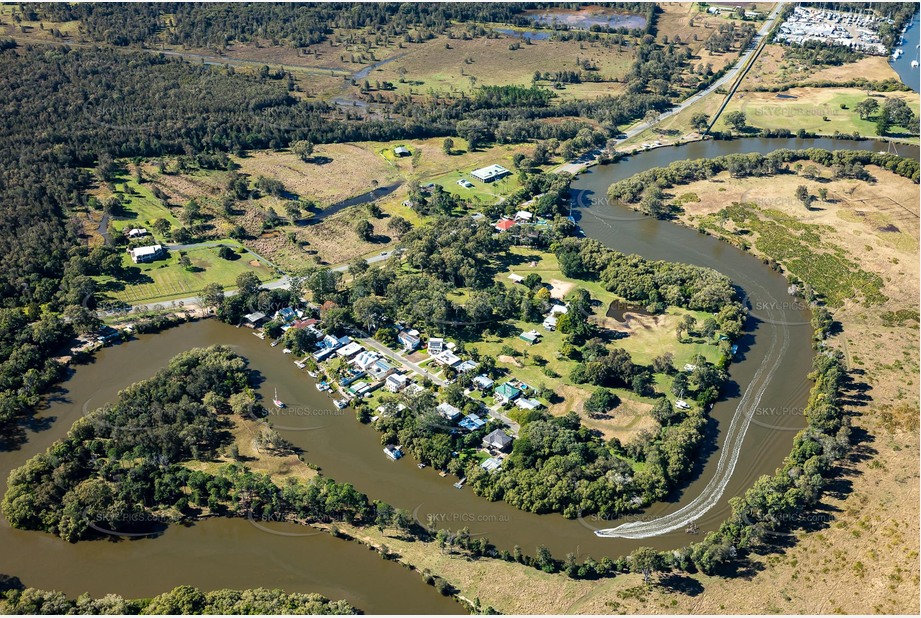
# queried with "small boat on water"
point(420, 465)
point(312, 374)
point(322, 386)
point(734, 349)
point(341, 403)
point(442, 474)
point(286, 351)
point(393, 452)
point(278, 402)
point(276, 342)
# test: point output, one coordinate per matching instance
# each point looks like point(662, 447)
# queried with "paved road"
point(371, 343)
point(577, 165)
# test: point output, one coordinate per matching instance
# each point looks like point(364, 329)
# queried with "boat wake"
point(729, 455)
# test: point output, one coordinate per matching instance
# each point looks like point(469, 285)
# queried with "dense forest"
point(182, 600)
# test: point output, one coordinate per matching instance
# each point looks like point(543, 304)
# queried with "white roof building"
point(490, 173)
point(350, 350)
point(396, 382)
point(365, 359)
point(146, 254)
point(436, 345)
point(448, 411)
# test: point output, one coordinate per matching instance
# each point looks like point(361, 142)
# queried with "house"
point(472, 422)
point(365, 359)
point(308, 323)
point(498, 440)
point(286, 315)
point(528, 404)
point(523, 216)
point(506, 393)
point(136, 232)
point(490, 173)
point(465, 183)
point(329, 342)
point(409, 339)
point(436, 345)
point(140, 255)
point(467, 365)
point(516, 278)
point(448, 411)
point(504, 225)
point(448, 359)
point(395, 382)
point(491, 464)
point(483, 382)
point(531, 337)
point(558, 309)
point(380, 368)
point(254, 319)
point(107, 334)
point(349, 350)
point(401, 151)
point(550, 323)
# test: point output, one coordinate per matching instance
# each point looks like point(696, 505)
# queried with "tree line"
point(182, 600)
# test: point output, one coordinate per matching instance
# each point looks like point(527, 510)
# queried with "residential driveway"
point(376, 345)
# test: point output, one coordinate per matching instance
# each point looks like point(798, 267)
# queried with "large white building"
point(490, 173)
point(146, 254)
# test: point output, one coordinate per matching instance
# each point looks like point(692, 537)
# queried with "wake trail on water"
point(729, 455)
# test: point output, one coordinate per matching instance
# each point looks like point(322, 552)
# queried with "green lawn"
point(643, 344)
point(140, 208)
point(817, 110)
point(481, 193)
point(166, 279)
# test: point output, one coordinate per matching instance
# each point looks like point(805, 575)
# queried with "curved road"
point(579, 164)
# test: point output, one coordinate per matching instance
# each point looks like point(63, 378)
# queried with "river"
point(776, 357)
point(910, 75)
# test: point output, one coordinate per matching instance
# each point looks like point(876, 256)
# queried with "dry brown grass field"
point(774, 68)
point(453, 66)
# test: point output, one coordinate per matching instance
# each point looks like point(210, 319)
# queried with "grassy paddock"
point(167, 279)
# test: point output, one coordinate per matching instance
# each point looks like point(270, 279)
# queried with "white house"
point(491, 464)
point(140, 255)
point(136, 232)
point(448, 411)
point(523, 216)
point(528, 404)
point(483, 382)
point(349, 350)
point(365, 359)
point(490, 173)
point(436, 345)
point(395, 382)
point(448, 359)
